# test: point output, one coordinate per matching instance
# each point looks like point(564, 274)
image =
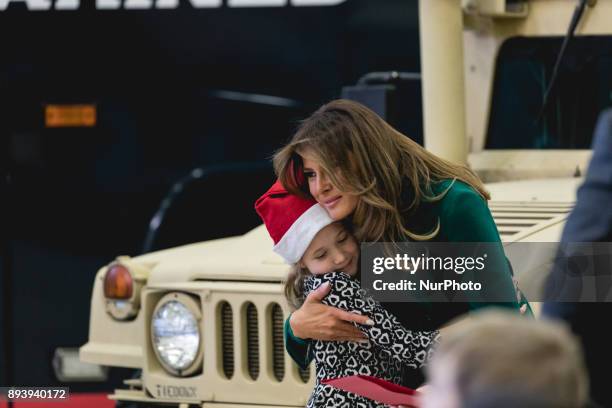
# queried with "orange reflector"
point(70, 116)
point(118, 283)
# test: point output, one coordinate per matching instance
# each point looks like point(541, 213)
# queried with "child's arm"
point(410, 347)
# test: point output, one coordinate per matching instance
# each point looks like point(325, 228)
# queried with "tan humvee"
point(229, 290)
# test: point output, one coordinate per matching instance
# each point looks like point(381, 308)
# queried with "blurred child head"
point(501, 360)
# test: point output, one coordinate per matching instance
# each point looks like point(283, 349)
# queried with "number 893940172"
point(34, 393)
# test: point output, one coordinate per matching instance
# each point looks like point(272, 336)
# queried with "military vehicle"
point(203, 323)
point(87, 114)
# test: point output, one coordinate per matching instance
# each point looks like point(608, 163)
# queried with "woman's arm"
point(467, 218)
point(315, 320)
point(297, 348)
point(409, 347)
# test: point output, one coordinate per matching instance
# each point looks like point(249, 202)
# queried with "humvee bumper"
point(109, 354)
point(140, 397)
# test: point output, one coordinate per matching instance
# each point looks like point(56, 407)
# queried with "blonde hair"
point(364, 155)
point(502, 354)
point(294, 285)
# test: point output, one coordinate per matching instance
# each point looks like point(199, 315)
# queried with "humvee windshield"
point(582, 90)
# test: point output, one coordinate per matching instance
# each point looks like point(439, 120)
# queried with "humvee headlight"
point(175, 334)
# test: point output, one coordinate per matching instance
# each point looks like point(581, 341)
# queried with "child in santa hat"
point(323, 251)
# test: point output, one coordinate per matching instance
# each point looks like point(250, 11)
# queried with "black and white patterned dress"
point(390, 347)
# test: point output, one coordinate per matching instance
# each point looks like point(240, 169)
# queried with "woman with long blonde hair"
point(390, 189)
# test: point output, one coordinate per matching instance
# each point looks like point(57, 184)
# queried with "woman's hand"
point(519, 295)
point(315, 320)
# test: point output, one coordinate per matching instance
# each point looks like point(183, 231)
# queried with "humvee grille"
point(304, 374)
point(278, 348)
point(227, 339)
point(252, 341)
point(243, 341)
point(513, 218)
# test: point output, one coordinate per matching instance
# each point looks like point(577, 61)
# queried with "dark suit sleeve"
point(590, 221)
point(591, 218)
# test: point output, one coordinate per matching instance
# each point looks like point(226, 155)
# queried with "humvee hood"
point(561, 190)
point(248, 257)
point(532, 210)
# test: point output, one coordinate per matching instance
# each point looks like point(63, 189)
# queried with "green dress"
point(464, 217)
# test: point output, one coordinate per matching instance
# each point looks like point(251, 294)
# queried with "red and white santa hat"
point(292, 221)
